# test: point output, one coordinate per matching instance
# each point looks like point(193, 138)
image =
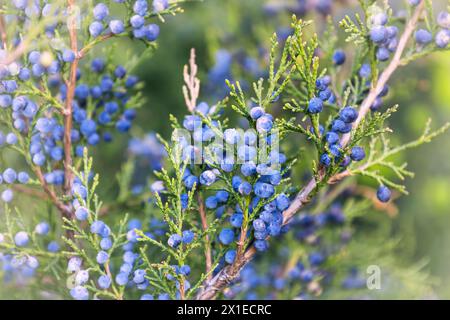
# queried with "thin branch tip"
point(191, 88)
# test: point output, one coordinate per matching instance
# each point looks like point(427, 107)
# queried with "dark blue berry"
point(383, 194)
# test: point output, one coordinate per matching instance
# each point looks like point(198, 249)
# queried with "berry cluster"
point(129, 271)
point(21, 267)
point(340, 125)
point(424, 37)
point(250, 178)
point(103, 24)
point(306, 276)
point(442, 37)
point(383, 36)
point(10, 177)
point(96, 108)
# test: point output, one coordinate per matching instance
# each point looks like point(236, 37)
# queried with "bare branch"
point(208, 256)
point(191, 89)
point(65, 211)
point(30, 192)
point(71, 84)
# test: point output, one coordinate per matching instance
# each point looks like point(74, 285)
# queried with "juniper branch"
point(387, 73)
point(229, 273)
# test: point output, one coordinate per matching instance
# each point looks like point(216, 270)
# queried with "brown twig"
point(229, 273)
point(182, 291)
point(71, 83)
point(65, 211)
point(3, 31)
point(31, 192)
point(241, 241)
point(88, 47)
point(15, 54)
point(191, 89)
point(344, 174)
point(208, 256)
point(225, 276)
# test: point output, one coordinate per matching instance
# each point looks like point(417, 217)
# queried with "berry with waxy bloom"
point(315, 105)
point(423, 36)
point(442, 38)
point(100, 11)
point(104, 281)
point(348, 114)
point(116, 26)
point(256, 112)
point(174, 240)
point(264, 123)
point(384, 193)
point(79, 293)
point(378, 34)
point(357, 153)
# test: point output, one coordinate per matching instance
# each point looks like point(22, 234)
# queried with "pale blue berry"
point(7, 195)
point(23, 177)
point(100, 11)
point(443, 38)
point(256, 113)
point(95, 29)
point(68, 56)
point(82, 277)
point(116, 26)
point(423, 36)
point(21, 239)
point(42, 228)
point(104, 282)
point(53, 246)
point(102, 257)
point(174, 240)
point(79, 293)
point(264, 123)
point(378, 34)
point(160, 5)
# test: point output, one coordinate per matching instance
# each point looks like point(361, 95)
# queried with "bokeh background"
point(422, 222)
